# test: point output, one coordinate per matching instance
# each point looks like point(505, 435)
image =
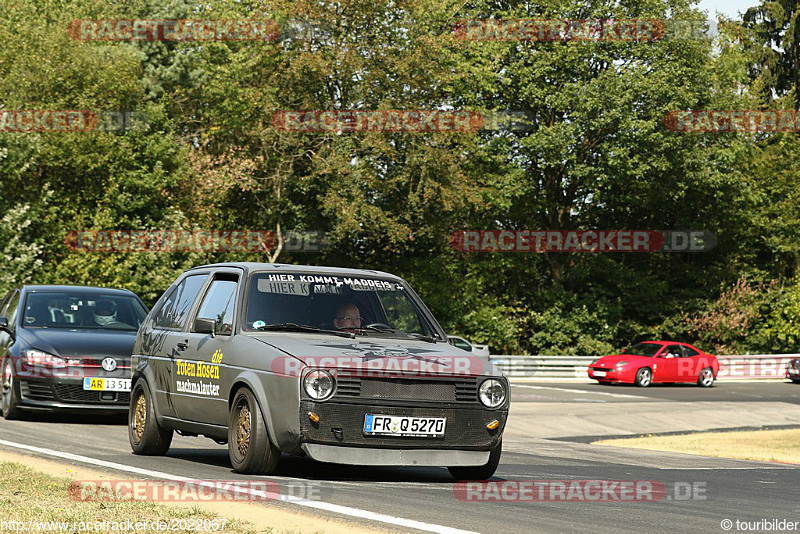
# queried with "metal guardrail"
point(755, 366)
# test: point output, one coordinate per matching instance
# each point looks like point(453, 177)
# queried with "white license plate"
point(601, 374)
point(106, 384)
point(397, 425)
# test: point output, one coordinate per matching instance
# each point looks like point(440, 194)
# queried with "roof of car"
point(87, 289)
point(310, 269)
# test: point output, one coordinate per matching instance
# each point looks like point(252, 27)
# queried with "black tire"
point(706, 378)
point(147, 437)
point(644, 377)
point(249, 447)
point(795, 380)
point(9, 391)
point(480, 472)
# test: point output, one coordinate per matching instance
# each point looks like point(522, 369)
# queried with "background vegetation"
point(597, 156)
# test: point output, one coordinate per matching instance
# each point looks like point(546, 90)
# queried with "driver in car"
point(105, 314)
point(347, 317)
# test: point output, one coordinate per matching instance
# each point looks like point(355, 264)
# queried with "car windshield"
point(81, 309)
point(362, 306)
point(648, 350)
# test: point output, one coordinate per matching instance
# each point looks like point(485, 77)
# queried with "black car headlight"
point(492, 393)
point(40, 358)
point(318, 384)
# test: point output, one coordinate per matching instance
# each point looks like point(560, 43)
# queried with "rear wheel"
point(249, 447)
point(480, 472)
point(706, 378)
point(644, 377)
point(147, 437)
point(9, 391)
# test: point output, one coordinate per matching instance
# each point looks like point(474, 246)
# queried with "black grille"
point(36, 391)
point(465, 428)
point(76, 393)
point(462, 390)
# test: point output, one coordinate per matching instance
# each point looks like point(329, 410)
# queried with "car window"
point(4, 301)
point(78, 308)
point(11, 310)
point(218, 305)
point(647, 350)
point(689, 352)
point(175, 310)
point(461, 344)
point(674, 350)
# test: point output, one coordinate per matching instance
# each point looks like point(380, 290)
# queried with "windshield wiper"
point(422, 337)
point(294, 327)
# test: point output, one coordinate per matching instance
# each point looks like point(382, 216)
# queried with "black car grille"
point(36, 391)
point(461, 390)
point(343, 424)
point(76, 393)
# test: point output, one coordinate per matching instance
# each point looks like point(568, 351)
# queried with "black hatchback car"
point(67, 348)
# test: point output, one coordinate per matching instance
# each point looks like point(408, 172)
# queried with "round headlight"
point(492, 393)
point(318, 384)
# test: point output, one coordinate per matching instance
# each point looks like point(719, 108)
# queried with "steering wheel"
point(377, 325)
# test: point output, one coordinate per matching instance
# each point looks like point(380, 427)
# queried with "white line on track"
point(329, 507)
point(619, 395)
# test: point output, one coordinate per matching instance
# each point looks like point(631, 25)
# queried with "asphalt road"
point(725, 391)
point(726, 489)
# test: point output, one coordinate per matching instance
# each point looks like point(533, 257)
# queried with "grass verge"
point(27, 495)
point(760, 445)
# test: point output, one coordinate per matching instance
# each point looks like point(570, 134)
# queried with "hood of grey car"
point(378, 353)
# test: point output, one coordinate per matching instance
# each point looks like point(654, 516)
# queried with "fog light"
point(494, 424)
point(314, 418)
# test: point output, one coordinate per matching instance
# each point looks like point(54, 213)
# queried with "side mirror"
point(205, 326)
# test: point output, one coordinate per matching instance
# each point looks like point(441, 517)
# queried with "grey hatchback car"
point(341, 365)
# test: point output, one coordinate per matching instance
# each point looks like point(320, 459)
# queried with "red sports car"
point(793, 370)
point(656, 361)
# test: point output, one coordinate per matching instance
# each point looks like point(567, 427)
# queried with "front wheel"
point(706, 378)
point(480, 472)
point(10, 392)
point(644, 377)
point(147, 437)
point(249, 447)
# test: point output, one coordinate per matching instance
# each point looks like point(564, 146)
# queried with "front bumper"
point(341, 427)
point(420, 457)
point(612, 374)
point(67, 394)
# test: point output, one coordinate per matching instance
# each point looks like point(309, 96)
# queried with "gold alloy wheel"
point(139, 416)
point(243, 430)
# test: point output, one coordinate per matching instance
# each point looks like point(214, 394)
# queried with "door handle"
point(183, 345)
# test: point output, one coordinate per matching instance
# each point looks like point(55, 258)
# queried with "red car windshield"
point(648, 350)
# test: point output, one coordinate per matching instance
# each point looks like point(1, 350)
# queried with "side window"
point(400, 313)
point(4, 301)
point(175, 311)
point(689, 352)
point(11, 310)
point(219, 302)
point(461, 344)
point(674, 350)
